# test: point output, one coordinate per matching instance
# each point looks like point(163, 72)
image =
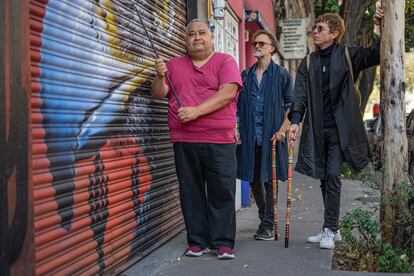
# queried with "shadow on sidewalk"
point(262, 257)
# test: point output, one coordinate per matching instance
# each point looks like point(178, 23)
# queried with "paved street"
point(262, 257)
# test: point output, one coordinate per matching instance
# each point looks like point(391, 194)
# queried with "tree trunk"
point(394, 206)
point(366, 85)
point(367, 77)
point(353, 12)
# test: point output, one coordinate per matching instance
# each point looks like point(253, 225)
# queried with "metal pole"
point(156, 54)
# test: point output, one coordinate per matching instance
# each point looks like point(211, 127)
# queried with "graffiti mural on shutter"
point(104, 185)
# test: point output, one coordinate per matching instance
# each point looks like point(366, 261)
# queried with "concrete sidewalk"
point(263, 257)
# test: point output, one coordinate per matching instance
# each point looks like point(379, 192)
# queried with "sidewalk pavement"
point(263, 257)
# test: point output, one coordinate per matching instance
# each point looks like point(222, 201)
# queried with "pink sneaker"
point(225, 253)
point(193, 251)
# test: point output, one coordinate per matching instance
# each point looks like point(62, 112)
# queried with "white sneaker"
point(328, 239)
point(317, 238)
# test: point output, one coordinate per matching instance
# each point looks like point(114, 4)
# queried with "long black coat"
point(277, 98)
point(345, 105)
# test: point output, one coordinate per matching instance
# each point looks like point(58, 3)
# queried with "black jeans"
point(207, 177)
point(331, 185)
point(263, 193)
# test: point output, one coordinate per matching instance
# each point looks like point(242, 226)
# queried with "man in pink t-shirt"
point(202, 130)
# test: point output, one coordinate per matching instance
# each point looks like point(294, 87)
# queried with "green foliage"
point(324, 6)
point(409, 24)
point(371, 178)
point(348, 173)
point(407, 191)
point(367, 23)
point(368, 230)
point(409, 4)
point(392, 260)
point(361, 234)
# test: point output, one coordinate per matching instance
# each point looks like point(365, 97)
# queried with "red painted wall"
point(237, 7)
point(266, 9)
point(242, 47)
point(250, 59)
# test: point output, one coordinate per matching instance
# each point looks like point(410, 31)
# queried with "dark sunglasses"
point(260, 43)
point(318, 28)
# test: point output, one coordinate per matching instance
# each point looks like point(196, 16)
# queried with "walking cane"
point(275, 190)
point(156, 53)
point(289, 195)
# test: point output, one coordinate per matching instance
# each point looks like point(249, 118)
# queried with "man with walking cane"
point(333, 131)
point(262, 118)
point(202, 130)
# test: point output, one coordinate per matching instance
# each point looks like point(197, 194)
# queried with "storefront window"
point(226, 35)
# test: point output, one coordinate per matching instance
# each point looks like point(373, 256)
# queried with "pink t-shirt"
point(193, 86)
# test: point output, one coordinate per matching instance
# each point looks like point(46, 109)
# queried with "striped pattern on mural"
point(105, 189)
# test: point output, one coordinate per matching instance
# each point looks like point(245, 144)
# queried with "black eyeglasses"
point(260, 43)
point(318, 28)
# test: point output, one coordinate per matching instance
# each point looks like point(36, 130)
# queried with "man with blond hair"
point(333, 131)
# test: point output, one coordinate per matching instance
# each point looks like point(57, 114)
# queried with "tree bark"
point(394, 207)
point(366, 85)
point(353, 12)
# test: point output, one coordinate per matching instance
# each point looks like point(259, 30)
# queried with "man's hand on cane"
point(293, 133)
point(280, 136)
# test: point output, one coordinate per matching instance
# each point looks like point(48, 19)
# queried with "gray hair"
point(273, 41)
point(196, 20)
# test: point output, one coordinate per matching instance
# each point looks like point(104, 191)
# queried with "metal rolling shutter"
point(104, 183)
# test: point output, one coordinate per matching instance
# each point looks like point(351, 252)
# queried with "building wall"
point(266, 10)
point(298, 9)
point(202, 8)
point(238, 9)
point(247, 30)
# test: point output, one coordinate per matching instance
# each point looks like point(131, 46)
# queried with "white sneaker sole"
point(194, 254)
point(327, 247)
point(309, 240)
point(225, 256)
point(338, 238)
point(264, 239)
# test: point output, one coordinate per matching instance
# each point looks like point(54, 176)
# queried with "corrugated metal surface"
point(15, 189)
point(104, 183)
